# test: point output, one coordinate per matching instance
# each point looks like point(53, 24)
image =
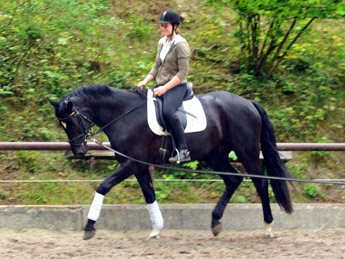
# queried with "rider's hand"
point(141, 85)
point(160, 90)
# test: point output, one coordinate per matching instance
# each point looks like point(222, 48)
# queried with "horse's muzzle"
point(79, 149)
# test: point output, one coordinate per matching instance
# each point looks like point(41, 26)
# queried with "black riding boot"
point(182, 153)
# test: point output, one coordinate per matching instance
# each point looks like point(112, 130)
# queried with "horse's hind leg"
point(221, 163)
point(261, 186)
point(145, 180)
point(254, 167)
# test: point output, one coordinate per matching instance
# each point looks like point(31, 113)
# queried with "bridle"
point(80, 117)
point(86, 132)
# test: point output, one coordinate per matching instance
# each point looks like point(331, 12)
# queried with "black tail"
point(272, 161)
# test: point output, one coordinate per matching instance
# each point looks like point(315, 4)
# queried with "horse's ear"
point(54, 103)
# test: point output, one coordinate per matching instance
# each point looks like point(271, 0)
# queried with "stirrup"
point(173, 158)
point(180, 157)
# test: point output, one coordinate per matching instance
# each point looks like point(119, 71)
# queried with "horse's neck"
point(111, 108)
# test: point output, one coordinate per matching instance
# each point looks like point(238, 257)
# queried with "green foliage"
point(312, 190)
point(233, 156)
point(119, 79)
point(45, 34)
point(137, 28)
point(267, 30)
point(3, 194)
point(27, 160)
point(298, 170)
point(240, 199)
point(39, 42)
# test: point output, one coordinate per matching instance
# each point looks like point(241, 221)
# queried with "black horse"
point(233, 124)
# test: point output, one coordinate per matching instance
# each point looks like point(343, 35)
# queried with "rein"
point(219, 172)
point(118, 118)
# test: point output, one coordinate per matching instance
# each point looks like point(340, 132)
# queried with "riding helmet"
point(170, 16)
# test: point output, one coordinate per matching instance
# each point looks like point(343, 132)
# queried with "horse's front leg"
point(145, 180)
point(123, 172)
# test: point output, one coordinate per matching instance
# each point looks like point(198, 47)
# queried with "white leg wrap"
point(155, 215)
point(268, 229)
point(96, 207)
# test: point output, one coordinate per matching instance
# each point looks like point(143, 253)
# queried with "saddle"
point(190, 113)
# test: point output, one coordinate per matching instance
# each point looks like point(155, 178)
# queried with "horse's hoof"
point(89, 234)
point(154, 234)
point(217, 229)
point(269, 235)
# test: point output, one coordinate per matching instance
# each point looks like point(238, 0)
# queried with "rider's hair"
point(178, 31)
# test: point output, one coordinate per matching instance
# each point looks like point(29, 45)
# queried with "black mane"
point(86, 92)
point(92, 91)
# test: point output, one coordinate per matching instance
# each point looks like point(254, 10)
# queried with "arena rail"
point(282, 147)
point(94, 146)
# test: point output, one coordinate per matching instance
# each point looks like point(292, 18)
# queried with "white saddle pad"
point(196, 119)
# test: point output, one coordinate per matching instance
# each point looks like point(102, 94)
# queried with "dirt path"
point(38, 243)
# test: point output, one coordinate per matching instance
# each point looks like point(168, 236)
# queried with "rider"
point(170, 73)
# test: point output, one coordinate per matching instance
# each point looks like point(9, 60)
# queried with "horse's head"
point(75, 124)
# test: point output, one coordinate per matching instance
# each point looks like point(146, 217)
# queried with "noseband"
point(80, 117)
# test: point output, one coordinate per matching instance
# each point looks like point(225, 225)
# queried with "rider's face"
point(166, 28)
